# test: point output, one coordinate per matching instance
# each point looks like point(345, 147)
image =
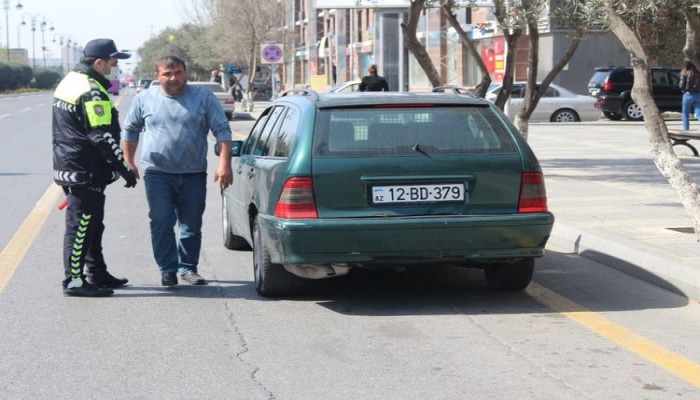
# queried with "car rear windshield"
point(448, 130)
point(598, 78)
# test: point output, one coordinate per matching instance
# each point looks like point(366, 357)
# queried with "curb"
point(629, 258)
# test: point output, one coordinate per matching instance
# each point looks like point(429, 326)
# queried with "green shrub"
point(14, 76)
point(46, 79)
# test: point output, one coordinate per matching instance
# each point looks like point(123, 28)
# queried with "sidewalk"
point(612, 205)
point(610, 202)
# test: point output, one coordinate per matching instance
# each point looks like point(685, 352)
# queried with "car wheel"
point(612, 116)
point(271, 280)
point(510, 277)
point(632, 112)
point(565, 115)
point(231, 241)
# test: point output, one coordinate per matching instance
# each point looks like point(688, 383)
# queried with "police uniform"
point(87, 158)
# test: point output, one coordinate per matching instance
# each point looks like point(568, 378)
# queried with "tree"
point(448, 6)
point(415, 47)
point(567, 16)
point(618, 15)
point(241, 27)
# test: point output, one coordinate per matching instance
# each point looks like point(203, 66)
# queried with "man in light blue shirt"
point(172, 121)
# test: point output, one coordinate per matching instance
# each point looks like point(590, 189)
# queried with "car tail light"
point(533, 195)
point(607, 86)
point(229, 101)
point(297, 199)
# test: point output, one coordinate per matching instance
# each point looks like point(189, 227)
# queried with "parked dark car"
point(327, 183)
point(613, 87)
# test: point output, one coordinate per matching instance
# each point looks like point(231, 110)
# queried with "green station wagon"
point(327, 183)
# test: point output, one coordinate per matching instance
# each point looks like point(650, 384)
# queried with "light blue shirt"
point(176, 128)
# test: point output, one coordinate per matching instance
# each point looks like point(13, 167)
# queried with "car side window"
point(659, 77)
point(254, 135)
point(550, 92)
point(262, 147)
point(517, 91)
point(287, 133)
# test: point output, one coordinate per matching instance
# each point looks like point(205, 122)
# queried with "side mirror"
point(236, 147)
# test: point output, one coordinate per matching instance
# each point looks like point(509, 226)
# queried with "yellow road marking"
point(651, 351)
point(14, 252)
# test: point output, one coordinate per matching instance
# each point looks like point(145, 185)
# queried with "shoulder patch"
point(99, 110)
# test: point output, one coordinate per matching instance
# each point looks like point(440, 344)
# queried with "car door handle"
point(251, 173)
point(239, 170)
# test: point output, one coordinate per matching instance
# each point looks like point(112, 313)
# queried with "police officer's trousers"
point(82, 241)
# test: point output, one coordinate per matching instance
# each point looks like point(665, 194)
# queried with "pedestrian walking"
point(215, 77)
point(690, 85)
point(373, 82)
point(175, 119)
point(87, 158)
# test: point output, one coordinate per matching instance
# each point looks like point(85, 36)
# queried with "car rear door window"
point(410, 131)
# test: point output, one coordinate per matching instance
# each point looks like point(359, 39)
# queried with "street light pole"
point(6, 6)
point(33, 20)
point(43, 43)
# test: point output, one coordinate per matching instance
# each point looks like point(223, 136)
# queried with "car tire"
point(510, 277)
point(631, 111)
point(271, 280)
point(565, 115)
point(612, 116)
point(231, 241)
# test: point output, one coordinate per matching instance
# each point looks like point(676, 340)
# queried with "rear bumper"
point(610, 104)
point(413, 239)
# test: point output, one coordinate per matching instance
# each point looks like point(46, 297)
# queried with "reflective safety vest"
point(86, 132)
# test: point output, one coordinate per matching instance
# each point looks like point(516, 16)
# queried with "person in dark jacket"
point(87, 158)
point(690, 85)
point(373, 82)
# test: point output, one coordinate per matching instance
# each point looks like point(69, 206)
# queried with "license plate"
point(446, 192)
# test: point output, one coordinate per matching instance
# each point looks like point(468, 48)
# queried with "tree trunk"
point(511, 35)
point(692, 36)
point(532, 97)
point(660, 145)
point(471, 49)
point(415, 47)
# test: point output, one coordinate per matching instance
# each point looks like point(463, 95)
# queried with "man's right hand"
point(130, 179)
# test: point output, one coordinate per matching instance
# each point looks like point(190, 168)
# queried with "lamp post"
point(6, 6)
point(42, 21)
point(66, 40)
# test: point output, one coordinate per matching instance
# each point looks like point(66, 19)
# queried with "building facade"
point(352, 34)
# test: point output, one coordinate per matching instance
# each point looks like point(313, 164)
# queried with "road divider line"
point(12, 255)
point(674, 363)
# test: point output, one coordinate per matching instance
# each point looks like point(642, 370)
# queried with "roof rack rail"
point(453, 89)
point(301, 92)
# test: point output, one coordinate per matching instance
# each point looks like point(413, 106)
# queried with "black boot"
point(80, 288)
point(105, 280)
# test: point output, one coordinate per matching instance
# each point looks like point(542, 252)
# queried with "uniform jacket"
point(85, 131)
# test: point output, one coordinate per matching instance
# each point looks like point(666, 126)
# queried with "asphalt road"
point(580, 331)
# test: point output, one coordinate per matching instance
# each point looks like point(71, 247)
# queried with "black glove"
point(130, 179)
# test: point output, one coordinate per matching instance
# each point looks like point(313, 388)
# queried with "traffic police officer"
point(87, 158)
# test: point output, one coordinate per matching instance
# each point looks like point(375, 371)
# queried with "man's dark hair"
point(170, 62)
point(89, 60)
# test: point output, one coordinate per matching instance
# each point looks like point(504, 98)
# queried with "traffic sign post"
point(272, 53)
